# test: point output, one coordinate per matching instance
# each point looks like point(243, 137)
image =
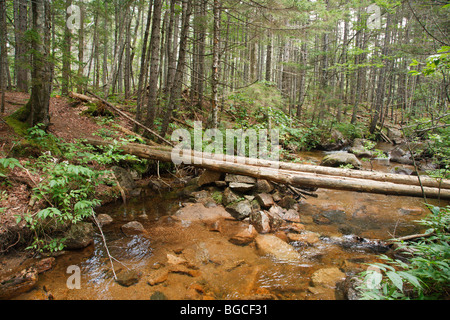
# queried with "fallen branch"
point(104, 243)
point(134, 134)
point(410, 237)
point(130, 118)
point(302, 192)
point(182, 122)
point(432, 128)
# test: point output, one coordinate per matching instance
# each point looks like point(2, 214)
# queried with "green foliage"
point(425, 275)
point(67, 188)
point(69, 191)
point(437, 62)
point(349, 130)
point(441, 150)
point(7, 164)
point(10, 163)
point(250, 101)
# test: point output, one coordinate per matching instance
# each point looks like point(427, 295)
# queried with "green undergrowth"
point(423, 273)
point(69, 175)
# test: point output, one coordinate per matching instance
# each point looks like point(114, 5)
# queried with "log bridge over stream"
point(291, 174)
point(299, 175)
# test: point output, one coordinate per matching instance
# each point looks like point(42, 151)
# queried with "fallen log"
point(294, 178)
point(339, 172)
point(82, 97)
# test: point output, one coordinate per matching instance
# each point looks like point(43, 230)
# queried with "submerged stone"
point(133, 228)
point(273, 246)
point(327, 277)
point(128, 277)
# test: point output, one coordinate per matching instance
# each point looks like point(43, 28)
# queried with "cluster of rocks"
point(265, 205)
point(401, 153)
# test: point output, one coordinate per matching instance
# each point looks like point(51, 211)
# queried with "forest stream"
point(183, 255)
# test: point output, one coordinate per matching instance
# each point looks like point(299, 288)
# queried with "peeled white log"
point(290, 177)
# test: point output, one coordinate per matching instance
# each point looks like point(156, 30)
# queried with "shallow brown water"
point(218, 269)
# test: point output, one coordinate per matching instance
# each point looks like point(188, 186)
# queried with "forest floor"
point(67, 124)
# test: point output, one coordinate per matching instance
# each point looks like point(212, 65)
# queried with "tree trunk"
point(66, 55)
point(382, 78)
point(80, 73)
point(175, 91)
point(215, 65)
point(302, 80)
point(269, 58)
point(154, 64)
point(38, 105)
point(21, 61)
point(143, 68)
point(172, 47)
point(3, 55)
point(128, 63)
point(201, 53)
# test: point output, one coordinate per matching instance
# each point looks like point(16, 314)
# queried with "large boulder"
point(336, 141)
point(229, 197)
point(395, 135)
point(341, 159)
point(265, 200)
point(359, 148)
point(241, 186)
point(399, 155)
point(263, 186)
point(239, 178)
